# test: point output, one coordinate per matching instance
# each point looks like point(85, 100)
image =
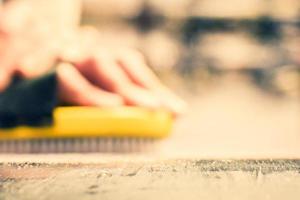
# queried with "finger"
point(75, 89)
point(135, 66)
point(137, 96)
point(133, 63)
point(105, 72)
point(171, 101)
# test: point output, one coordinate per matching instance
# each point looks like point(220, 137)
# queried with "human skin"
point(88, 73)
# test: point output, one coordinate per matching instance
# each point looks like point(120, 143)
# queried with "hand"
point(95, 76)
point(91, 75)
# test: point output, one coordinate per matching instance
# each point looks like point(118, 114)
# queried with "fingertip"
point(179, 107)
point(136, 96)
point(172, 102)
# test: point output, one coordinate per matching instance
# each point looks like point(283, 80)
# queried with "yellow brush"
point(90, 129)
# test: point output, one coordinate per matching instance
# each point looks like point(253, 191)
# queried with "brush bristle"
point(79, 145)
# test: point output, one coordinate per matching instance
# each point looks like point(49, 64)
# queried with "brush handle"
point(77, 122)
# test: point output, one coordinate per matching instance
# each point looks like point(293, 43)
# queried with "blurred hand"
point(88, 74)
point(96, 76)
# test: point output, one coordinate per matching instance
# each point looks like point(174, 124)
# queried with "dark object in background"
point(147, 19)
point(263, 28)
point(28, 102)
point(195, 26)
point(268, 29)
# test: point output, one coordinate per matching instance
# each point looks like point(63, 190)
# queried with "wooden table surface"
point(235, 142)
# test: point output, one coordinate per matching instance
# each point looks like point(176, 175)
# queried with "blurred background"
point(202, 40)
point(235, 62)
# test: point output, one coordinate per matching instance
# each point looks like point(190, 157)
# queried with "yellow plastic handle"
point(76, 122)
